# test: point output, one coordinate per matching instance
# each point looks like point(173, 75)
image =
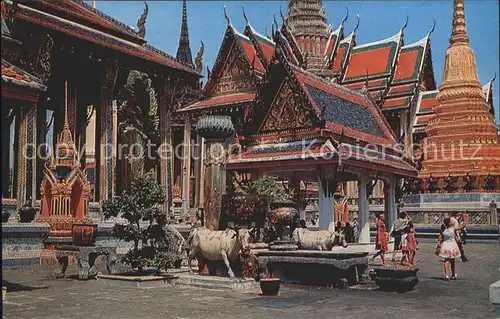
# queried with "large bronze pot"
point(27, 213)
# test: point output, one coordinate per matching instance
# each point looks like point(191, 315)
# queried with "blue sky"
point(379, 20)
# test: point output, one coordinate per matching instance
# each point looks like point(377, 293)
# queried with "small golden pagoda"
point(65, 190)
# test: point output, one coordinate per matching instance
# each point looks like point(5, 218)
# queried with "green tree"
point(141, 205)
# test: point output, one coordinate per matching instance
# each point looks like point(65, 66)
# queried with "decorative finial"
point(273, 32)
point(494, 77)
point(459, 33)
point(66, 122)
point(282, 16)
point(357, 24)
point(93, 4)
point(208, 72)
point(141, 23)
point(198, 60)
point(266, 32)
point(225, 16)
point(274, 21)
point(346, 16)
point(406, 24)
point(433, 27)
point(244, 14)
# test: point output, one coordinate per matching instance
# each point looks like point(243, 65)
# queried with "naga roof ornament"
point(141, 23)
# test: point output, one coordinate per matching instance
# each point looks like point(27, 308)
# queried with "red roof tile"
point(396, 103)
point(339, 59)
point(376, 58)
point(400, 89)
point(250, 52)
point(405, 68)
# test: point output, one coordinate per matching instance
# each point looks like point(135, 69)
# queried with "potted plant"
point(27, 212)
point(145, 226)
point(270, 286)
point(84, 233)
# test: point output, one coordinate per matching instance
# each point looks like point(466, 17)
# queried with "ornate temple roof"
point(345, 110)
point(239, 64)
point(264, 46)
point(78, 19)
point(17, 76)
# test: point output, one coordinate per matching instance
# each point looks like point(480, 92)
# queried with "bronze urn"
point(27, 212)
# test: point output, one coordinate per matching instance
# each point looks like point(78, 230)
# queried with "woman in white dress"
point(449, 248)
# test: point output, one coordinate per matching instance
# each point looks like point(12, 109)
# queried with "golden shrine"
point(463, 142)
point(65, 191)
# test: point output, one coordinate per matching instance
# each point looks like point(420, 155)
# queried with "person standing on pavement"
point(449, 249)
point(397, 232)
point(456, 225)
point(381, 240)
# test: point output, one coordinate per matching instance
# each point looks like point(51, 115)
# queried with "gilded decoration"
point(65, 189)
point(463, 128)
point(287, 111)
point(235, 76)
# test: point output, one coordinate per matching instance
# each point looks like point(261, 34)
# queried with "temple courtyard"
point(34, 293)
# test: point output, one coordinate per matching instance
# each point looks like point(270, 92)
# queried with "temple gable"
point(287, 111)
point(235, 75)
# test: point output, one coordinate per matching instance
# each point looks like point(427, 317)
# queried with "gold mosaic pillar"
point(27, 152)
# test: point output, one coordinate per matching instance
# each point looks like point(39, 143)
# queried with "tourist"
point(349, 233)
point(381, 240)
point(411, 243)
point(463, 233)
point(454, 222)
point(397, 232)
point(449, 248)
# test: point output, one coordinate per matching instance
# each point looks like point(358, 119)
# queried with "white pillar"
point(364, 220)
point(391, 202)
point(325, 206)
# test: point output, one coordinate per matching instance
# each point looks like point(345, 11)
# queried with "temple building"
point(46, 44)
point(245, 84)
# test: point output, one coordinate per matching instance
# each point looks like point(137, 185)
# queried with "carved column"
point(186, 166)
point(165, 148)
point(27, 147)
point(216, 129)
point(105, 172)
point(363, 211)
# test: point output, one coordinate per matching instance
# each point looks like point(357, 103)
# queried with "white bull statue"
point(205, 244)
point(318, 240)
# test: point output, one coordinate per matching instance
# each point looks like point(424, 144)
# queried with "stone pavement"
point(33, 293)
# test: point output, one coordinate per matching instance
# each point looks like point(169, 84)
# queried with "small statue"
point(432, 185)
point(450, 184)
point(489, 182)
point(469, 182)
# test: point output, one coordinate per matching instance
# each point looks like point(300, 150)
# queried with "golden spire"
point(459, 33)
point(460, 65)
point(66, 152)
